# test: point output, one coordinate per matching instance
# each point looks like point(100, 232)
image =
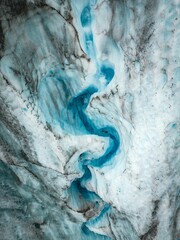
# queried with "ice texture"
point(89, 120)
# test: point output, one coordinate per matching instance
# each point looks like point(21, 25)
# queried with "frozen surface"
point(89, 120)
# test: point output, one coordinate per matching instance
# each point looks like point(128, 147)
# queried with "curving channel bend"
point(72, 117)
point(78, 188)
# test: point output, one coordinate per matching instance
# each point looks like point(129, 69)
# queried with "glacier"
point(89, 119)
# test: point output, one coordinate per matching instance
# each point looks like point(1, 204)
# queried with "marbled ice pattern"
point(89, 120)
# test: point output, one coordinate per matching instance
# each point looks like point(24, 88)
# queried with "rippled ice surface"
point(89, 120)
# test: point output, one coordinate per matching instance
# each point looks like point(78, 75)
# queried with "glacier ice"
point(89, 119)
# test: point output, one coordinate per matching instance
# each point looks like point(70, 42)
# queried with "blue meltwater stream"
point(62, 105)
point(77, 106)
point(77, 190)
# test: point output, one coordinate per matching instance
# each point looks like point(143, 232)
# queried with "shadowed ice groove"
point(87, 226)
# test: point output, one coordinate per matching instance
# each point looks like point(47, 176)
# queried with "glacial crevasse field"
point(89, 120)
